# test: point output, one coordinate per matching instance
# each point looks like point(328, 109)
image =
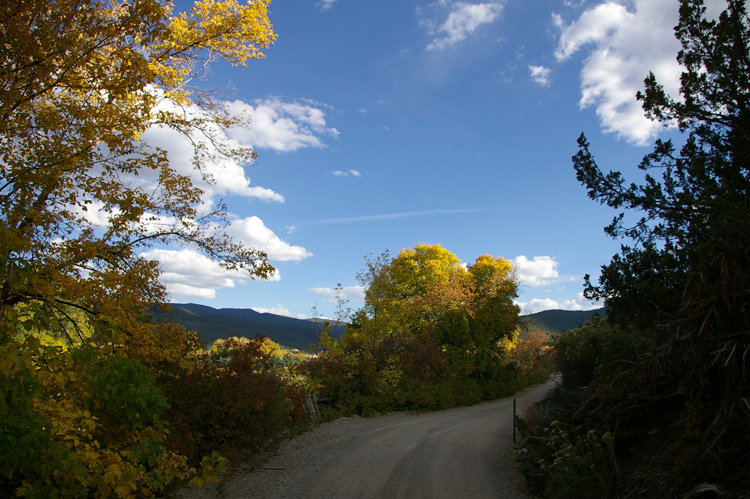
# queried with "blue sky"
point(385, 124)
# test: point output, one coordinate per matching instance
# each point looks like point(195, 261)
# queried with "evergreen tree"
point(683, 279)
point(693, 202)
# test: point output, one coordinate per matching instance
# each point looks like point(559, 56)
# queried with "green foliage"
point(580, 352)
point(580, 467)
point(77, 423)
point(563, 460)
point(391, 373)
point(679, 286)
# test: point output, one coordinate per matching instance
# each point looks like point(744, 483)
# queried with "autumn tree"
point(426, 292)
point(81, 196)
point(429, 335)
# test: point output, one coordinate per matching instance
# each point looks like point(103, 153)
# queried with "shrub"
point(232, 406)
point(80, 423)
point(581, 467)
point(579, 352)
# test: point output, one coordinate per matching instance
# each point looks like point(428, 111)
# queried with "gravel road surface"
point(459, 453)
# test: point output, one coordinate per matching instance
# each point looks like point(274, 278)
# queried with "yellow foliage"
point(82, 80)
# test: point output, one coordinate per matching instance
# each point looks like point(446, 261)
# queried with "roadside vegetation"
point(89, 384)
point(434, 333)
point(97, 399)
point(656, 399)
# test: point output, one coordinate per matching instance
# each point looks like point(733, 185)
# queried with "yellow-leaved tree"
point(432, 334)
point(81, 197)
point(426, 292)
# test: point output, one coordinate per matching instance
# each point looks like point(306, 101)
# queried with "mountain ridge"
point(221, 323)
point(556, 321)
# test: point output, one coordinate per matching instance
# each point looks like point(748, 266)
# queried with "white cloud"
point(540, 74)
point(347, 293)
point(190, 274)
point(188, 291)
point(227, 175)
point(539, 304)
point(325, 5)
point(253, 232)
point(282, 126)
point(626, 43)
point(462, 20)
point(539, 271)
point(278, 310)
point(186, 272)
point(341, 173)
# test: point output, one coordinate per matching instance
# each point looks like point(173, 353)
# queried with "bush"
point(556, 459)
point(234, 406)
point(80, 423)
point(581, 467)
point(579, 352)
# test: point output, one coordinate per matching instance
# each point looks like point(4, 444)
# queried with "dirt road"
point(459, 453)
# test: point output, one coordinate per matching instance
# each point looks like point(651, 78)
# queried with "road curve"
point(459, 453)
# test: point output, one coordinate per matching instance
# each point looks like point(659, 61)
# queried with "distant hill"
point(554, 322)
point(212, 324)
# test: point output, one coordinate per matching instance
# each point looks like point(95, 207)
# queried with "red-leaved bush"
point(234, 405)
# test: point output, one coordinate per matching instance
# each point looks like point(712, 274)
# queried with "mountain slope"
point(554, 322)
point(212, 324)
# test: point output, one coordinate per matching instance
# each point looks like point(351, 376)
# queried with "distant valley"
point(212, 323)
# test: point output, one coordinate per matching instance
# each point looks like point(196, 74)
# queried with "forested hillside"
point(223, 323)
point(554, 322)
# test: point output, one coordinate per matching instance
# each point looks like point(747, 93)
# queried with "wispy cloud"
point(540, 74)
point(325, 4)
point(334, 294)
point(391, 216)
point(452, 22)
point(348, 173)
